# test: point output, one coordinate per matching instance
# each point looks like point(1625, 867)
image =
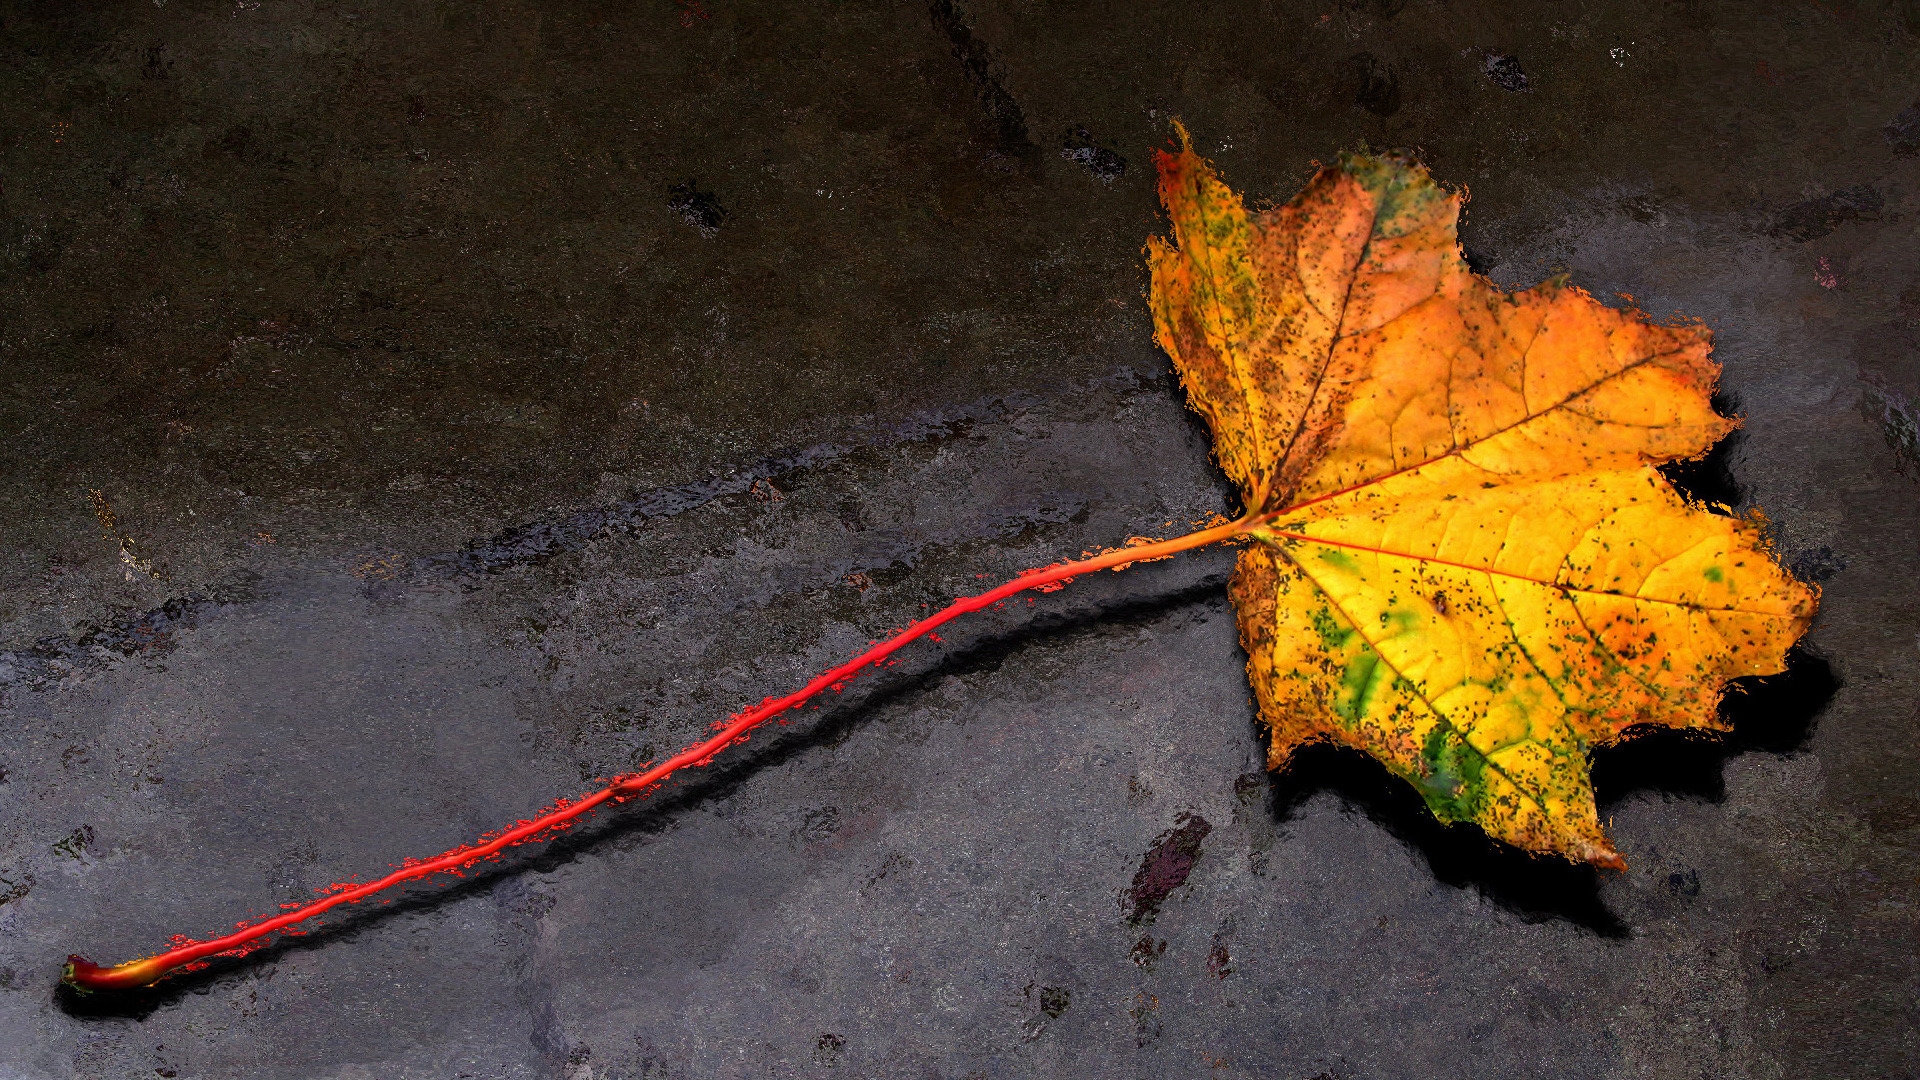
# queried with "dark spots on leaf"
point(1504, 72)
point(1440, 605)
point(1164, 867)
point(695, 207)
point(1334, 634)
point(1815, 218)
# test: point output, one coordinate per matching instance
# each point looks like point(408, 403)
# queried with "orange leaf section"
point(1467, 564)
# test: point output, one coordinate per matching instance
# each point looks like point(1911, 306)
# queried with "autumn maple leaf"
point(1467, 564)
point(1459, 555)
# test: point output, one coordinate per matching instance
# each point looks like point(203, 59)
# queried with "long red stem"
point(187, 953)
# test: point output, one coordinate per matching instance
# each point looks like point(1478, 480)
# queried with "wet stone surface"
point(415, 411)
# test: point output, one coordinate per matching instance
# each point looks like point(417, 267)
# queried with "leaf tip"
point(1173, 163)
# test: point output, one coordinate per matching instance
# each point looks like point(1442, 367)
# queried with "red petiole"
point(189, 954)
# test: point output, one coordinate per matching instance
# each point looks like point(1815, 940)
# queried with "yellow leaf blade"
point(1468, 566)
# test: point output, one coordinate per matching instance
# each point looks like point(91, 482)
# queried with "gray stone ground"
point(490, 395)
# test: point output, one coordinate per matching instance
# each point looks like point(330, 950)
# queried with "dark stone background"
point(488, 395)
